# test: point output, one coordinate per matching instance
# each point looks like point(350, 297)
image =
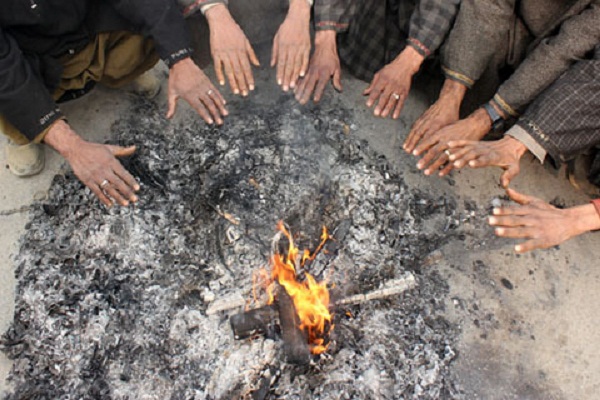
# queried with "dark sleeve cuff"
point(419, 47)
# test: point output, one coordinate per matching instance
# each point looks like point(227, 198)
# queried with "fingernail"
point(236, 91)
point(419, 166)
point(457, 164)
point(134, 198)
point(210, 121)
point(376, 112)
point(136, 187)
point(279, 82)
point(452, 157)
point(244, 93)
point(492, 220)
point(302, 74)
point(415, 153)
point(427, 172)
point(222, 83)
point(518, 248)
point(125, 203)
point(285, 88)
point(496, 211)
point(499, 231)
point(251, 87)
point(472, 163)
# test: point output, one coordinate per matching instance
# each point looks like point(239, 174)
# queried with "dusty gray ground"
point(534, 341)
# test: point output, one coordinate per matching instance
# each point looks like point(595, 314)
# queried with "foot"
point(25, 160)
point(147, 85)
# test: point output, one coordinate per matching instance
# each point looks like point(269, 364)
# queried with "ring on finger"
point(447, 153)
point(396, 96)
point(104, 183)
point(210, 91)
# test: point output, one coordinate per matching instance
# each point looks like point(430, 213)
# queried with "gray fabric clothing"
point(565, 119)
point(544, 37)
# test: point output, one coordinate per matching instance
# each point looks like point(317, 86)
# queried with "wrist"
point(326, 39)
point(482, 119)
point(585, 218)
point(63, 139)
point(515, 146)
point(453, 91)
point(410, 58)
point(299, 8)
point(218, 13)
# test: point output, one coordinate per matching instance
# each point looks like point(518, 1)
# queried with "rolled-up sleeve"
point(552, 57)
point(24, 99)
point(430, 23)
point(481, 28)
point(332, 14)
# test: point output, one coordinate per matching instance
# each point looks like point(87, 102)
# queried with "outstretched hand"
point(324, 65)
point(391, 85)
point(96, 165)
point(231, 51)
point(542, 224)
point(187, 81)
point(504, 153)
point(291, 46)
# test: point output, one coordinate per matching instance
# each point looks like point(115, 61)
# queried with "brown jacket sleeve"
point(481, 28)
point(553, 56)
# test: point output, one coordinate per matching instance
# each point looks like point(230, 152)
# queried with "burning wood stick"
point(390, 288)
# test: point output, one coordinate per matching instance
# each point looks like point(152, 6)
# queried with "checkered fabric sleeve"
point(430, 23)
point(333, 14)
point(565, 118)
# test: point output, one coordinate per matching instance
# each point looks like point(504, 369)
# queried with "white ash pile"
point(113, 304)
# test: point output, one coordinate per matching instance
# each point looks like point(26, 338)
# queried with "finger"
point(309, 87)
point(245, 62)
point(464, 157)
point(453, 144)
point(123, 188)
point(337, 80)
point(252, 54)
point(296, 70)
point(100, 195)
point(520, 198)
point(208, 102)
point(414, 136)
point(458, 153)
point(229, 70)
point(305, 61)
point(399, 107)
point(508, 175)
point(281, 61)
point(112, 192)
point(520, 232)
point(119, 151)
point(288, 69)
point(509, 210)
point(275, 52)
point(219, 69)
point(509, 221)
point(321, 84)
point(392, 101)
point(218, 99)
point(530, 245)
point(126, 177)
point(439, 159)
point(201, 110)
point(172, 105)
point(426, 142)
point(240, 75)
point(368, 90)
point(374, 95)
point(446, 170)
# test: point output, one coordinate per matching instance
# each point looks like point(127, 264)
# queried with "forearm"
point(300, 9)
point(62, 138)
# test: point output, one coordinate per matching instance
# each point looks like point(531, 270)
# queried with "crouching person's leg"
point(24, 158)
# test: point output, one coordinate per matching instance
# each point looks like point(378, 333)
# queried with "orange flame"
point(311, 298)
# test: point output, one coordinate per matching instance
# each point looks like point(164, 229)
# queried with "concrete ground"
point(528, 322)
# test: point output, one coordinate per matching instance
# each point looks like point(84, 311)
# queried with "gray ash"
point(112, 304)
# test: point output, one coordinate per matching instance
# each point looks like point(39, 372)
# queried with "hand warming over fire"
point(324, 65)
point(504, 153)
point(435, 146)
point(187, 81)
point(231, 51)
point(291, 46)
point(442, 113)
point(95, 165)
point(390, 86)
point(542, 224)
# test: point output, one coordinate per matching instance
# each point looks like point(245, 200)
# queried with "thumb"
point(119, 151)
point(337, 80)
point(519, 198)
point(172, 106)
point(511, 172)
point(373, 82)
